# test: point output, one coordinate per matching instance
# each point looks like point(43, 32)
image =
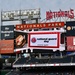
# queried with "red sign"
point(71, 43)
point(60, 13)
point(6, 46)
point(39, 25)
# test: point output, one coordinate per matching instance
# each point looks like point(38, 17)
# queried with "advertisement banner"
point(20, 40)
point(44, 40)
point(7, 32)
point(71, 43)
point(6, 46)
point(70, 28)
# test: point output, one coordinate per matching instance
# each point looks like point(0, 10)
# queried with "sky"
point(44, 5)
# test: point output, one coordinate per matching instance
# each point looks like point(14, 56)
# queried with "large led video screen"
point(44, 40)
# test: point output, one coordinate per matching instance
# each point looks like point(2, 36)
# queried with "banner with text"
point(44, 40)
point(6, 46)
point(7, 32)
point(39, 25)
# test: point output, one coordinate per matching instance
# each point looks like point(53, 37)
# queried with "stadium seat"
point(73, 61)
point(21, 61)
point(60, 60)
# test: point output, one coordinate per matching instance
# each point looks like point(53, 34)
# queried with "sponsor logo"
point(33, 40)
point(69, 28)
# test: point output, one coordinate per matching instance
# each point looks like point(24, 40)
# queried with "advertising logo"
point(70, 28)
point(33, 40)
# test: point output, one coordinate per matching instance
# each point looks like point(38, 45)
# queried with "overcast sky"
point(44, 5)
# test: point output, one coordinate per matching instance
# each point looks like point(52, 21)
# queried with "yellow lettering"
point(37, 25)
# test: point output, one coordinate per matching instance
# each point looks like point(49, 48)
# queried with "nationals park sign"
point(60, 13)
